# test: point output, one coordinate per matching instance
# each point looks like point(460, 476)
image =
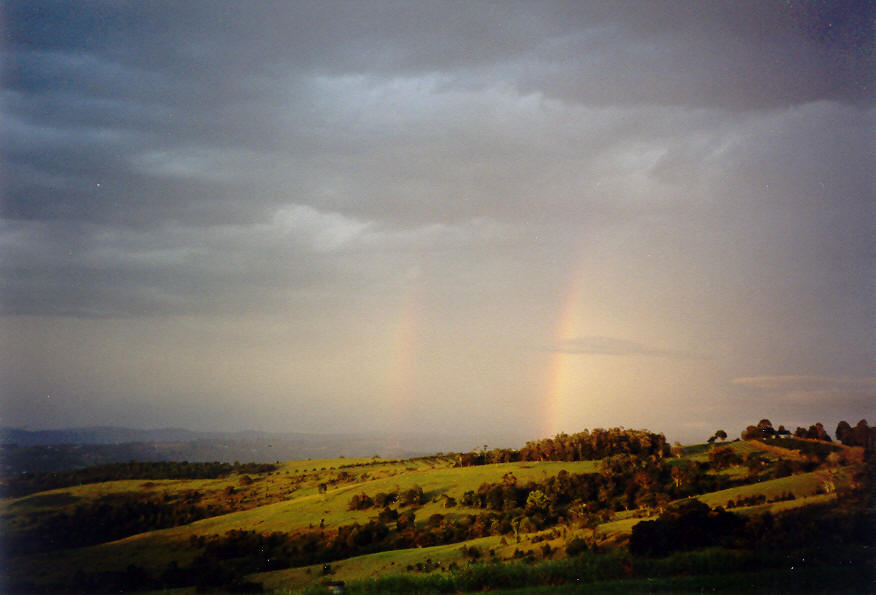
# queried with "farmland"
point(440, 523)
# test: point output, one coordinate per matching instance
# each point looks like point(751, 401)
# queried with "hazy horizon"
point(519, 218)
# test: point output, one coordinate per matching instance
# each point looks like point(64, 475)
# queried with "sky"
point(437, 217)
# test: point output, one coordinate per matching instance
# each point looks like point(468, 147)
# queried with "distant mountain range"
point(58, 450)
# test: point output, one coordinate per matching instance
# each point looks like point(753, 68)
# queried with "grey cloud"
point(851, 394)
point(226, 79)
point(99, 271)
point(702, 168)
point(791, 382)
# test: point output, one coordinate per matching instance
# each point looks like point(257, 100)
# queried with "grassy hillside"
point(301, 513)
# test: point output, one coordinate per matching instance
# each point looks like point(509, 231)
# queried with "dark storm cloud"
point(138, 115)
point(89, 86)
point(358, 172)
point(735, 55)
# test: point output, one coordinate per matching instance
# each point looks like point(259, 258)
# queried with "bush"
point(412, 497)
point(690, 525)
point(576, 546)
point(360, 502)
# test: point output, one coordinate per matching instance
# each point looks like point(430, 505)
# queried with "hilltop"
point(596, 506)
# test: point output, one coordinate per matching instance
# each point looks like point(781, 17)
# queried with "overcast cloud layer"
point(332, 216)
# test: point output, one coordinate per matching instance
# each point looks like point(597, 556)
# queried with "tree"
point(862, 433)
point(755, 462)
point(576, 546)
point(751, 433)
point(536, 501)
point(679, 475)
point(412, 497)
point(690, 524)
point(844, 433)
point(765, 428)
point(387, 515)
point(721, 435)
point(817, 432)
point(383, 499)
point(722, 457)
point(435, 520)
point(360, 502)
point(405, 520)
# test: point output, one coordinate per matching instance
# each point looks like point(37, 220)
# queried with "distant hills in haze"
point(120, 435)
point(58, 450)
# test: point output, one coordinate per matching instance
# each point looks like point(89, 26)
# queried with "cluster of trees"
point(108, 518)
point(625, 482)
point(764, 430)
point(861, 435)
point(756, 499)
point(687, 526)
point(582, 446)
point(413, 496)
point(29, 483)
point(225, 560)
point(722, 457)
point(820, 529)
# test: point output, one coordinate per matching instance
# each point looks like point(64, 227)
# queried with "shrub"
point(576, 546)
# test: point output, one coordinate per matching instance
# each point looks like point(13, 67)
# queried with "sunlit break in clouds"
point(431, 217)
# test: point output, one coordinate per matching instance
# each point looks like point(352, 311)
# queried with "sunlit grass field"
point(303, 495)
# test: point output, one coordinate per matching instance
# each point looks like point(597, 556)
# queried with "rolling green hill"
point(302, 524)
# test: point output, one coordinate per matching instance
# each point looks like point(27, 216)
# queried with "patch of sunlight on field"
point(373, 565)
point(309, 509)
point(700, 452)
point(441, 556)
point(613, 531)
point(776, 507)
point(802, 485)
point(311, 465)
point(744, 448)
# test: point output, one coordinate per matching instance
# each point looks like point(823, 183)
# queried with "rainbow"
point(405, 351)
point(564, 368)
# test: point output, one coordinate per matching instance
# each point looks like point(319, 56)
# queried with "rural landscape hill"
point(613, 509)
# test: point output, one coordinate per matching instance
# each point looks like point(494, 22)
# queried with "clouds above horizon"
point(705, 171)
point(615, 346)
point(814, 388)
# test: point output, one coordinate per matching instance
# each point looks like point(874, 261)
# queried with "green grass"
point(801, 485)
point(288, 500)
point(371, 566)
point(713, 569)
point(827, 579)
point(700, 452)
point(303, 509)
